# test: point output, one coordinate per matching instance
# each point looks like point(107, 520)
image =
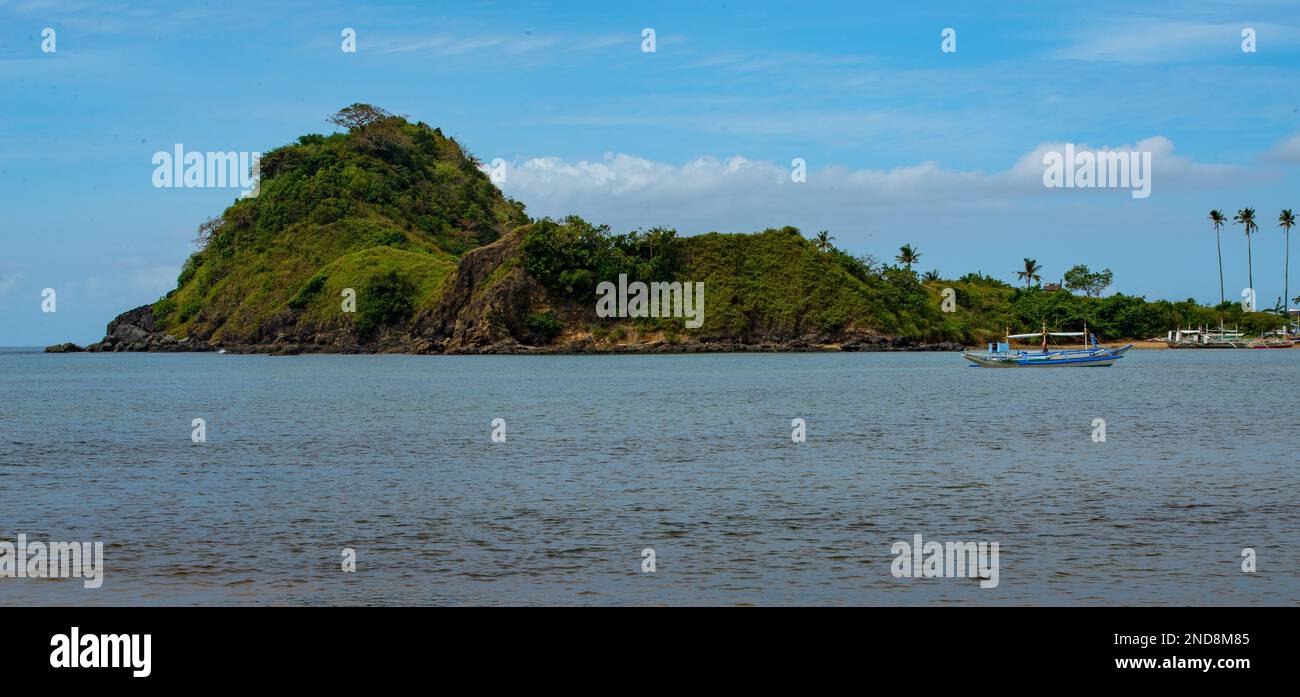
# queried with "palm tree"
point(1287, 221)
point(1030, 274)
point(932, 275)
point(823, 241)
point(1246, 218)
point(907, 256)
point(1217, 217)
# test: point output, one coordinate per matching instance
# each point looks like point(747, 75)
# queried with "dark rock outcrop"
point(134, 330)
point(484, 308)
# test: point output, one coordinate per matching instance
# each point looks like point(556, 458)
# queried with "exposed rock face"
point(67, 347)
point(134, 330)
point(484, 309)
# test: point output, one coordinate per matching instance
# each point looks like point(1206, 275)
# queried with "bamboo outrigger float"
point(1001, 355)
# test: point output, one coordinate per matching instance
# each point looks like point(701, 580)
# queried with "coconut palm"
point(823, 241)
point(907, 256)
point(1218, 218)
point(1246, 218)
point(1030, 274)
point(1287, 221)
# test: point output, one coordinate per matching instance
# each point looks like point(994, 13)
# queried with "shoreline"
point(876, 345)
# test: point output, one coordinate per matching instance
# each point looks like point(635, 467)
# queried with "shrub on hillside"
point(384, 300)
point(574, 256)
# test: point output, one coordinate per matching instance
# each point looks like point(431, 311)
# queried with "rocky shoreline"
point(134, 332)
point(509, 348)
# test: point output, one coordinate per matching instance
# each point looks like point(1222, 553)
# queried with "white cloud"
point(1169, 168)
point(737, 193)
point(1286, 150)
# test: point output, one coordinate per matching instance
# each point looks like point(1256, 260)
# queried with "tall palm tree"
point(1217, 217)
point(907, 256)
point(1246, 218)
point(823, 241)
point(1030, 274)
point(1287, 221)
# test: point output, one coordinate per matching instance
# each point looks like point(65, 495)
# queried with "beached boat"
point(1274, 343)
point(1206, 338)
point(1001, 355)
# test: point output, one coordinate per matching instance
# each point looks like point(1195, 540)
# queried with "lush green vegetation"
point(777, 284)
point(1092, 283)
point(388, 206)
point(572, 256)
point(544, 324)
point(384, 300)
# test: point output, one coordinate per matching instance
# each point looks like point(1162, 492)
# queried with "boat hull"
point(1081, 362)
point(990, 361)
point(1098, 358)
point(1207, 345)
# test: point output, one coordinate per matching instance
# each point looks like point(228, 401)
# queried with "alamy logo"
point(953, 560)
point(196, 170)
point(1100, 169)
point(74, 650)
point(83, 560)
point(658, 299)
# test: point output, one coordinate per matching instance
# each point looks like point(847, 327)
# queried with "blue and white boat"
point(1001, 355)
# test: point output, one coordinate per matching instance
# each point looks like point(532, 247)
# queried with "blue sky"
point(903, 143)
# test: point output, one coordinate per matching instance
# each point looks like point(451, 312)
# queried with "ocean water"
point(690, 456)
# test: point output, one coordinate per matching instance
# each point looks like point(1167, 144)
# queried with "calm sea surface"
point(688, 455)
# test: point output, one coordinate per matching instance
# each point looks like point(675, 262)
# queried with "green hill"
point(401, 218)
point(389, 199)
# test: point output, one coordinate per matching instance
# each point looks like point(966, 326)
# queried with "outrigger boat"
point(1276, 339)
point(1206, 338)
point(1001, 355)
point(1271, 343)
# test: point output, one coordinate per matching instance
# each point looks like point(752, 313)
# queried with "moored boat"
point(1001, 355)
point(1206, 338)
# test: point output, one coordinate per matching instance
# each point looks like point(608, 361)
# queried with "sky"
point(902, 141)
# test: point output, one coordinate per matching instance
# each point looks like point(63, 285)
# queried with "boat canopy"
point(1026, 336)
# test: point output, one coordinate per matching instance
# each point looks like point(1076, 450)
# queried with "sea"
point(711, 479)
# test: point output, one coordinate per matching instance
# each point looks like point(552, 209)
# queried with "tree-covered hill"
point(387, 207)
point(402, 222)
